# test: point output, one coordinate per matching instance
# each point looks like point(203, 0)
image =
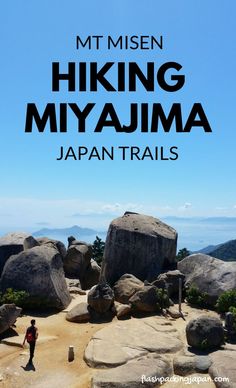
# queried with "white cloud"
point(29, 212)
point(187, 205)
point(118, 207)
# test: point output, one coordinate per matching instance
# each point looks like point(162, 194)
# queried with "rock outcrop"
point(10, 244)
point(205, 332)
point(223, 365)
point(186, 365)
point(126, 287)
point(101, 298)
point(74, 287)
point(30, 242)
point(146, 371)
point(210, 275)
point(91, 275)
point(139, 245)
point(170, 281)
point(38, 271)
point(8, 316)
point(122, 342)
point(78, 264)
point(122, 310)
point(49, 242)
point(145, 300)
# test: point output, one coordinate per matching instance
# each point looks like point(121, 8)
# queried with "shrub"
point(162, 298)
point(195, 297)
point(233, 311)
point(226, 300)
point(19, 298)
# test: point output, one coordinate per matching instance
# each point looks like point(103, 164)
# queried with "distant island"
point(78, 232)
point(225, 251)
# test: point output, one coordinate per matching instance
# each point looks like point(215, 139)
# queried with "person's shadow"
point(29, 366)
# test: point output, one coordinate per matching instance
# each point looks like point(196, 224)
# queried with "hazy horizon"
point(194, 233)
point(38, 190)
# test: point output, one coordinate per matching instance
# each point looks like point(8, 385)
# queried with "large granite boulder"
point(139, 245)
point(78, 263)
point(101, 298)
point(77, 259)
point(205, 332)
point(126, 287)
point(49, 242)
point(11, 244)
point(38, 271)
point(210, 275)
point(8, 316)
point(170, 281)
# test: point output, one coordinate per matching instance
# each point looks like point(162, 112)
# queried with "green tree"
point(182, 254)
point(98, 249)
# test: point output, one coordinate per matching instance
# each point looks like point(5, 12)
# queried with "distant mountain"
point(209, 249)
point(219, 219)
point(204, 220)
point(226, 251)
point(181, 219)
point(75, 231)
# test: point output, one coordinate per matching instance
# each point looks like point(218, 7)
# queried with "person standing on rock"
point(31, 336)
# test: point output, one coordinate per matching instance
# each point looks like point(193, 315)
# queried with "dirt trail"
point(51, 366)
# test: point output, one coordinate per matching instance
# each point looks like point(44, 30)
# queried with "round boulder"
point(126, 287)
point(145, 300)
point(38, 271)
point(101, 298)
point(205, 332)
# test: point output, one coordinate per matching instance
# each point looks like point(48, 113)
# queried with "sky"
point(37, 190)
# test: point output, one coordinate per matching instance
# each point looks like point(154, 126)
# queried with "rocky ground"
point(51, 366)
point(139, 262)
point(56, 334)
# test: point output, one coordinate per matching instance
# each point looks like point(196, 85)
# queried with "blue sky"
point(36, 189)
